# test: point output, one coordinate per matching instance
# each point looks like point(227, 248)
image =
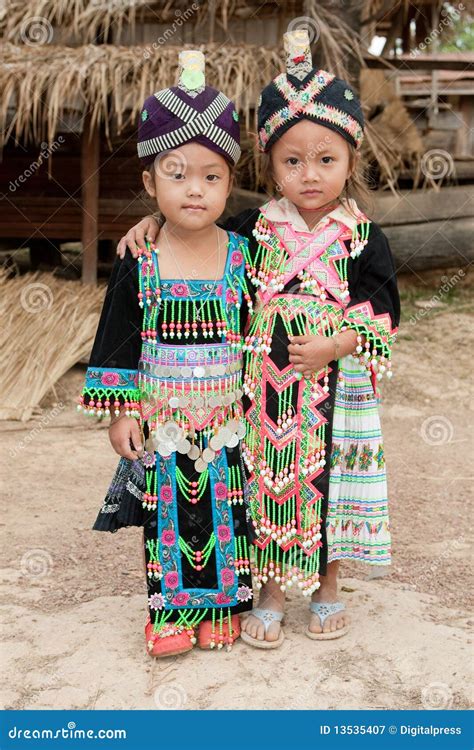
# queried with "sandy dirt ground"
point(73, 600)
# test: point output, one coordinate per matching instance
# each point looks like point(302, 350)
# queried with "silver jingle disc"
point(233, 441)
point(238, 394)
point(227, 399)
point(208, 455)
point(164, 450)
point(172, 431)
point(173, 402)
point(166, 371)
point(233, 425)
point(183, 446)
point(200, 465)
point(186, 372)
point(198, 401)
point(220, 369)
point(184, 401)
point(199, 372)
point(212, 402)
point(160, 435)
point(224, 434)
point(194, 452)
point(216, 443)
point(241, 430)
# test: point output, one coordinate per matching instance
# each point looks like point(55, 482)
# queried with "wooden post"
point(90, 200)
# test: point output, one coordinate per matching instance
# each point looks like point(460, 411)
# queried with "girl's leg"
point(327, 592)
point(271, 597)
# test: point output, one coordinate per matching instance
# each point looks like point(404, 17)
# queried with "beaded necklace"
point(186, 280)
point(198, 559)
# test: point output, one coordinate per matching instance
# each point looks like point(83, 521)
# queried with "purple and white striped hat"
point(189, 112)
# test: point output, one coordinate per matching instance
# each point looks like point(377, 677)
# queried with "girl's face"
point(310, 165)
point(190, 184)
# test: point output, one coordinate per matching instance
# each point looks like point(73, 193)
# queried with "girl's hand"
point(122, 432)
point(135, 238)
point(310, 354)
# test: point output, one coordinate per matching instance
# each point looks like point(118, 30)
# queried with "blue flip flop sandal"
point(267, 616)
point(323, 610)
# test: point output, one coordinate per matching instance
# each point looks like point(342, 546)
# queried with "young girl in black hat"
point(326, 319)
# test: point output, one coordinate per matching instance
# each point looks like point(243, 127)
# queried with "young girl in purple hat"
point(167, 365)
point(321, 337)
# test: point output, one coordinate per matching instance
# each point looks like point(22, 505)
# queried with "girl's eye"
point(327, 159)
point(212, 177)
point(178, 176)
point(292, 160)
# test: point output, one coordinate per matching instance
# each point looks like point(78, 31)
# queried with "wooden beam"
point(409, 63)
point(423, 206)
point(437, 244)
point(90, 200)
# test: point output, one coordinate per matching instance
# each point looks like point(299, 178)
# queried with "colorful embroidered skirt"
point(203, 546)
point(197, 553)
point(357, 523)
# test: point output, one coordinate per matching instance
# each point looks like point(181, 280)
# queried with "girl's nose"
point(310, 174)
point(195, 188)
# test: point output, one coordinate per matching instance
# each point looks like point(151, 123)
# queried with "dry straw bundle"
point(48, 326)
point(42, 83)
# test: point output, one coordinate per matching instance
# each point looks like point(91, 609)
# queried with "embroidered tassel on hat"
point(189, 112)
point(306, 93)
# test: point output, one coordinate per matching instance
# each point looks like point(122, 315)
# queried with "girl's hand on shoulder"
point(309, 354)
point(125, 437)
point(146, 229)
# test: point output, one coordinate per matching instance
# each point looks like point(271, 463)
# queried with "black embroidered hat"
point(306, 93)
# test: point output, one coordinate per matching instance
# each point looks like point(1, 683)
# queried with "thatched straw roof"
point(89, 19)
point(43, 82)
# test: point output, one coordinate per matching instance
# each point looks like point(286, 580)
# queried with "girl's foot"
point(272, 598)
point(327, 594)
point(170, 641)
point(214, 638)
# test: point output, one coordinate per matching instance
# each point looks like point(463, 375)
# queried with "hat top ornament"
point(298, 53)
